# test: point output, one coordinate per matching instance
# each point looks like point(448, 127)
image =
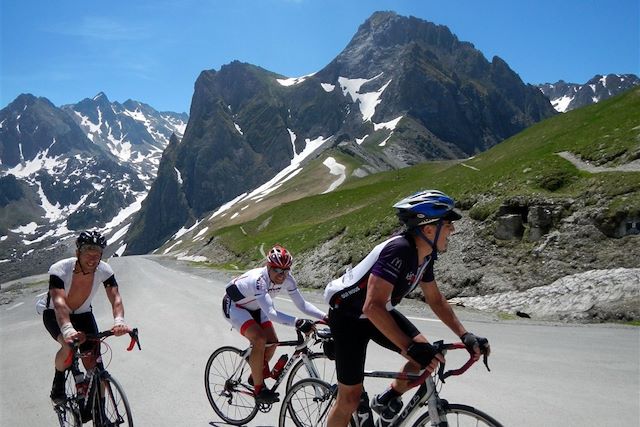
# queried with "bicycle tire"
point(460, 416)
point(110, 404)
point(68, 413)
point(225, 381)
point(307, 404)
point(326, 369)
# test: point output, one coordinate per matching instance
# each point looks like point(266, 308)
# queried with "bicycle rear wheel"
point(110, 405)
point(225, 381)
point(460, 416)
point(325, 368)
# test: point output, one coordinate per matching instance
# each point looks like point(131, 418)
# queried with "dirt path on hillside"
point(584, 166)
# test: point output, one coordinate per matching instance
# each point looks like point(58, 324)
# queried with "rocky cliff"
point(403, 91)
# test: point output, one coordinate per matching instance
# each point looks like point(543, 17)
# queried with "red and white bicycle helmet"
point(279, 257)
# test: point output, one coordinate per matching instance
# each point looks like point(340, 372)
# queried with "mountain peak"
point(101, 97)
point(569, 96)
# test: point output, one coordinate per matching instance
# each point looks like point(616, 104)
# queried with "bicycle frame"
point(97, 377)
point(427, 391)
point(301, 352)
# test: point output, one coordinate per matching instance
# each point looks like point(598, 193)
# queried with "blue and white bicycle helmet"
point(426, 207)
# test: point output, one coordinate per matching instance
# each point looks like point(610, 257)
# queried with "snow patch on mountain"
point(391, 124)
point(367, 101)
point(26, 229)
point(561, 104)
point(328, 87)
point(335, 168)
point(42, 162)
point(125, 213)
point(281, 177)
point(293, 80)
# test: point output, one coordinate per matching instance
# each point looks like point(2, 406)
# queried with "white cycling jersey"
point(254, 290)
point(63, 270)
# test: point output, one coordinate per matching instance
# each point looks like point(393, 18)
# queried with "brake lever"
point(135, 339)
point(485, 360)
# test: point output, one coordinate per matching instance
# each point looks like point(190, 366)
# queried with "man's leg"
point(272, 337)
point(258, 339)
point(351, 336)
point(400, 386)
point(346, 404)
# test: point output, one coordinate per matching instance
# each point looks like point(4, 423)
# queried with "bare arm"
point(378, 293)
point(441, 307)
point(62, 310)
point(117, 308)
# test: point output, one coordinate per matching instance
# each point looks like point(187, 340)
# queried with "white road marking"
point(15, 306)
point(423, 319)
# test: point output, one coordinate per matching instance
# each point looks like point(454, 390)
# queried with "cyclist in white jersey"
point(66, 308)
point(248, 306)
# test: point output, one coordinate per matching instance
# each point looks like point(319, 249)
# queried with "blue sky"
point(153, 50)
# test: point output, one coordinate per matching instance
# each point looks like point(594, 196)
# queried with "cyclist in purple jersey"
point(363, 304)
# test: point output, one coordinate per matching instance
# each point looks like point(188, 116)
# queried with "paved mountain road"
point(542, 374)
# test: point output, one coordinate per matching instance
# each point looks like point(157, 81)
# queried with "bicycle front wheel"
point(110, 404)
point(307, 404)
point(460, 416)
point(67, 416)
point(226, 383)
point(68, 413)
point(325, 369)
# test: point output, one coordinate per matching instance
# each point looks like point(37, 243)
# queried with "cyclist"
point(248, 306)
point(362, 304)
point(66, 308)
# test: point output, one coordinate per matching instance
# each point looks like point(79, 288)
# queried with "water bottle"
point(277, 368)
point(365, 416)
point(81, 383)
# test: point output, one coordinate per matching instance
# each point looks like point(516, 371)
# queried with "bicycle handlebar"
point(442, 347)
point(133, 333)
point(302, 339)
point(97, 337)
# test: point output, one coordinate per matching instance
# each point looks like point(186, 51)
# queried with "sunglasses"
point(280, 270)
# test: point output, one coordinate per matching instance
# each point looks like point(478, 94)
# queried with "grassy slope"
point(525, 164)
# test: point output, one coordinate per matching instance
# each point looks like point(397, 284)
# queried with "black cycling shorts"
point(351, 338)
point(83, 322)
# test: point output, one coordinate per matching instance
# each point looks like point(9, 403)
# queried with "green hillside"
point(606, 134)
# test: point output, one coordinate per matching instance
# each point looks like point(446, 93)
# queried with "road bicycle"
point(96, 394)
point(226, 376)
point(308, 401)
